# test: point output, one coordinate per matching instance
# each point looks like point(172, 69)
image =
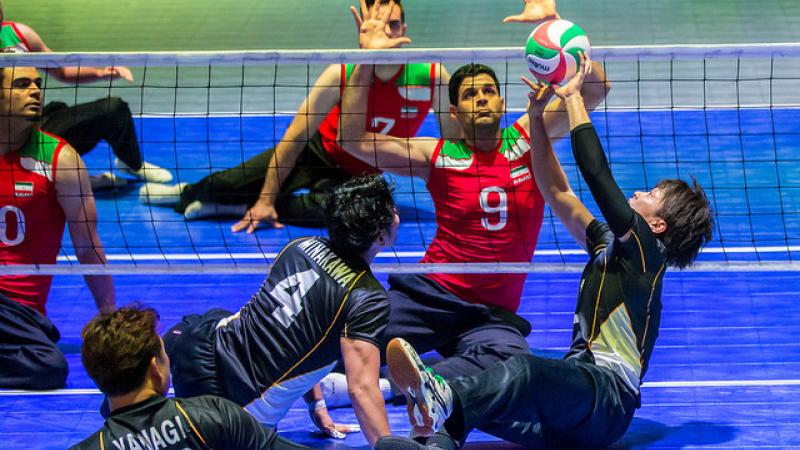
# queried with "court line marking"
point(651, 385)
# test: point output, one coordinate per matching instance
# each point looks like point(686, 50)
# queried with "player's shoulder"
point(305, 247)
point(28, 33)
point(298, 246)
point(369, 284)
point(598, 236)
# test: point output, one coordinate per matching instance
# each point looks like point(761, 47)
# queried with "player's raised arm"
point(594, 90)
point(449, 128)
point(591, 159)
point(395, 155)
point(550, 177)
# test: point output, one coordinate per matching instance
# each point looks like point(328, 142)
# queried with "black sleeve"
point(597, 235)
point(593, 165)
point(226, 425)
point(368, 316)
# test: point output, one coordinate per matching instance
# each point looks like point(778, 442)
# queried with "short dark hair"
point(469, 70)
point(118, 347)
point(385, 2)
point(689, 219)
point(357, 211)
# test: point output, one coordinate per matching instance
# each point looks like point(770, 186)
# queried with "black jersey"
point(619, 303)
point(204, 422)
point(312, 296)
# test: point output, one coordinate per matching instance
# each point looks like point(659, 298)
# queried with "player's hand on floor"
point(325, 423)
point(535, 11)
point(254, 216)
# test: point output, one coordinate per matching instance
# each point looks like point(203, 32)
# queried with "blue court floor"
point(726, 369)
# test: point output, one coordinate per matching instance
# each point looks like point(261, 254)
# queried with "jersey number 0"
point(5, 211)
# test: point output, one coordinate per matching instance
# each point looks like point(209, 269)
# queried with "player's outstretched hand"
point(118, 72)
point(576, 82)
point(538, 97)
point(535, 11)
point(372, 26)
point(255, 215)
point(325, 423)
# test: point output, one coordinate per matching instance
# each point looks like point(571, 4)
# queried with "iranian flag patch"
point(23, 189)
point(520, 174)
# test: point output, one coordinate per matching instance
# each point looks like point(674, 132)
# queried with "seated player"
point(84, 125)
point(319, 303)
point(264, 188)
point(588, 398)
point(124, 356)
point(43, 186)
point(488, 210)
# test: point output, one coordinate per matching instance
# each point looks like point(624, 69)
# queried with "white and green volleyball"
point(552, 50)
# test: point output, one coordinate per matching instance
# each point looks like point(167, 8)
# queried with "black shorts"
point(29, 357)
point(191, 346)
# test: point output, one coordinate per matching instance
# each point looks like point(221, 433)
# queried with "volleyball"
point(552, 50)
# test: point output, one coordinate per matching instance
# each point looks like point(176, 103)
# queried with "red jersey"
point(396, 107)
point(31, 219)
point(12, 40)
point(488, 210)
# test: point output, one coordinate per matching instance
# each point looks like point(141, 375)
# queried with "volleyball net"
point(726, 115)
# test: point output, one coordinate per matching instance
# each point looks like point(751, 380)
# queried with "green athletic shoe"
point(430, 399)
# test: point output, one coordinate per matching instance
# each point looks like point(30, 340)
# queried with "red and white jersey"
point(488, 210)
point(12, 40)
point(396, 107)
point(31, 218)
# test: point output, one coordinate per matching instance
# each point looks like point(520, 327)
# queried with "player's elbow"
point(90, 254)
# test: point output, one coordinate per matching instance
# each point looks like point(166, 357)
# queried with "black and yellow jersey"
point(619, 303)
point(197, 423)
point(313, 296)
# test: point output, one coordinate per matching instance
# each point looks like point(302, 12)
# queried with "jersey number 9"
point(498, 205)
